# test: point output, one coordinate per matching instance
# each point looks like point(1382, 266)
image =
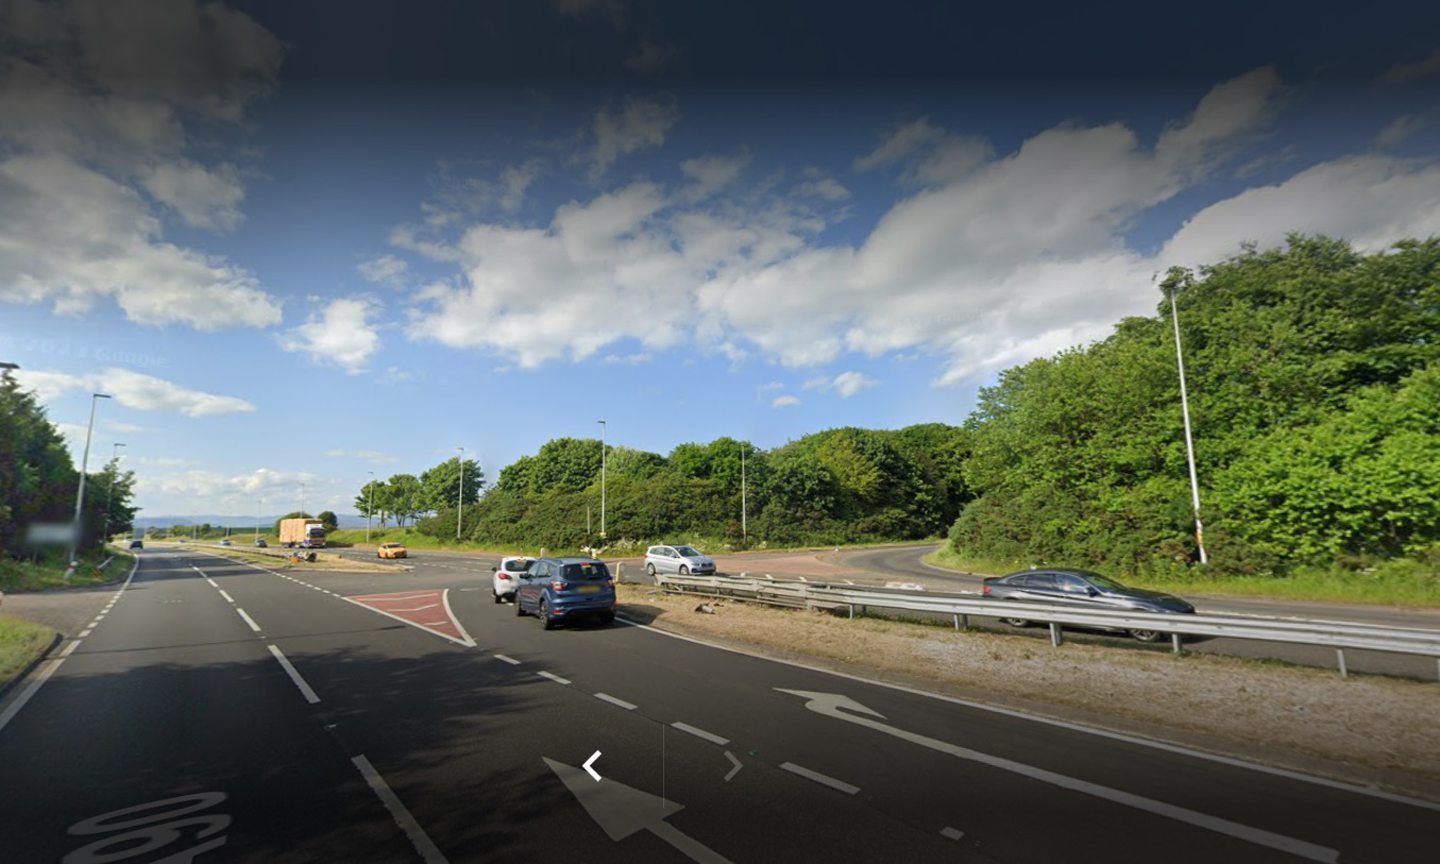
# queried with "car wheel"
point(497, 595)
point(1147, 635)
point(607, 618)
point(684, 571)
point(1016, 622)
point(650, 569)
point(543, 613)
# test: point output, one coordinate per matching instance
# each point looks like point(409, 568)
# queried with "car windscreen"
point(516, 565)
point(1104, 583)
point(585, 572)
point(687, 551)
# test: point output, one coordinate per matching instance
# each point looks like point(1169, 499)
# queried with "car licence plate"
point(589, 589)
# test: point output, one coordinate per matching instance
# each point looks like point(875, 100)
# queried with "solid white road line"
point(70, 649)
point(417, 608)
point(248, 619)
point(553, 677)
point(511, 660)
point(701, 733)
point(951, 833)
point(822, 779)
point(429, 852)
point(290, 670)
point(227, 597)
point(606, 697)
point(454, 619)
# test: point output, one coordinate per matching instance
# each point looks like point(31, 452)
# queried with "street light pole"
point(602, 478)
point(744, 528)
point(1189, 442)
point(460, 502)
point(110, 487)
point(259, 510)
point(80, 492)
point(370, 508)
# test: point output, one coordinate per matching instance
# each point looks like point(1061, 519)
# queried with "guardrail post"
point(965, 621)
point(1055, 637)
point(957, 621)
point(852, 610)
point(1175, 642)
point(1340, 656)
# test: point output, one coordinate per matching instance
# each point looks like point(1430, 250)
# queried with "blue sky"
point(302, 242)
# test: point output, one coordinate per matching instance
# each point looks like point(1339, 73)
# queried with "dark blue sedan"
point(559, 590)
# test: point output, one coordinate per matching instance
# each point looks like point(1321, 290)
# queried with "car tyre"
point(1147, 635)
point(519, 610)
point(1016, 622)
point(650, 569)
point(497, 596)
point(607, 618)
point(543, 613)
point(684, 571)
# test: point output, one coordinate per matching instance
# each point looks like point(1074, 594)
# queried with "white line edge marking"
point(309, 694)
point(429, 852)
point(700, 733)
point(606, 697)
point(553, 677)
point(822, 779)
point(70, 649)
point(951, 833)
point(1178, 749)
point(83, 633)
point(248, 619)
point(46, 670)
point(511, 660)
point(454, 619)
point(227, 597)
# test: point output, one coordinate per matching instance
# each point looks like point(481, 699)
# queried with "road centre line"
point(1153, 744)
point(227, 597)
point(248, 619)
point(701, 733)
point(83, 633)
point(305, 690)
point(822, 779)
point(606, 697)
point(429, 852)
point(511, 660)
point(553, 677)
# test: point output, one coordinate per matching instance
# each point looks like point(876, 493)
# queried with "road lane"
point(171, 695)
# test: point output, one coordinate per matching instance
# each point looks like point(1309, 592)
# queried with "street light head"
point(101, 396)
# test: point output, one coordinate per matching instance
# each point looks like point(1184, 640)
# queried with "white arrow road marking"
point(621, 811)
point(829, 704)
point(591, 761)
point(735, 762)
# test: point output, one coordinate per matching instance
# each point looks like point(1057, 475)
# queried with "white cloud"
point(784, 402)
point(847, 384)
point(124, 428)
point(386, 269)
point(514, 181)
point(771, 387)
point(1399, 129)
point(901, 144)
point(133, 390)
point(639, 124)
point(1406, 73)
point(95, 97)
point(710, 174)
point(374, 457)
point(628, 359)
point(826, 189)
point(932, 155)
point(341, 333)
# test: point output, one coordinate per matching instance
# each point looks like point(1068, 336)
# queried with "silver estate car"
point(683, 560)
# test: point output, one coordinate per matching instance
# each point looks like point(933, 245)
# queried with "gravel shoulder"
point(1372, 730)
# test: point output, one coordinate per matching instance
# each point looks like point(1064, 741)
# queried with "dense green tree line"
point(38, 479)
point(1312, 375)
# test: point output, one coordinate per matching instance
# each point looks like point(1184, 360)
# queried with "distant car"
point(683, 560)
point(226, 542)
point(507, 577)
point(1085, 590)
point(391, 550)
point(137, 544)
point(559, 590)
point(260, 543)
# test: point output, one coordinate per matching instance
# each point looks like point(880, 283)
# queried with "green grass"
point(1392, 583)
point(49, 571)
point(21, 642)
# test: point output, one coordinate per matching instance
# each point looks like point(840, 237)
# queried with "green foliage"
point(329, 520)
point(442, 486)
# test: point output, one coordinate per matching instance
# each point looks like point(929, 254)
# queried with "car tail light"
point(504, 576)
point(985, 589)
point(558, 585)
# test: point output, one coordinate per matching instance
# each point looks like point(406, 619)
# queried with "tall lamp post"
point(1189, 442)
point(258, 511)
point(80, 492)
point(460, 502)
point(110, 487)
point(602, 478)
point(744, 528)
point(370, 508)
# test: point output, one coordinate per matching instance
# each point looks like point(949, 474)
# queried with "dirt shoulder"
point(1365, 729)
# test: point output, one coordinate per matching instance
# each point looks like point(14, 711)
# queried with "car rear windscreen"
point(585, 572)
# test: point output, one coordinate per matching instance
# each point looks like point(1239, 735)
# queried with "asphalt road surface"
point(219, 712)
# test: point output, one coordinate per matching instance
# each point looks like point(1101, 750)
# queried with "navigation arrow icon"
point(591, 761)
point(620, 811)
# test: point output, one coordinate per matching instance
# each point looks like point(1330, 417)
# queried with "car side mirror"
point(495, 569)
point(1092, 590)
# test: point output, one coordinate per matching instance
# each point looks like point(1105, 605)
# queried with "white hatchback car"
point(683, 560)
point(507, 577)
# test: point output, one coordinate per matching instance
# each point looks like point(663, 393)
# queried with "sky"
point(301, 242)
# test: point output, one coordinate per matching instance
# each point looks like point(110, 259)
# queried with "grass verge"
point(21, 643)
point(1309, 719)
point(49, 571)
point(1397, 583)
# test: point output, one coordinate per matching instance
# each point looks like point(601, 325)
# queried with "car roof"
point(578, 560)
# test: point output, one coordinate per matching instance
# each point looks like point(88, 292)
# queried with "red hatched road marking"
point(419, 609)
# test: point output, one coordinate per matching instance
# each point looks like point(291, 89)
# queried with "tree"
point(37, 476)
point(404, 496)
point(329, 520)
point(441, 485)
point(370, 502)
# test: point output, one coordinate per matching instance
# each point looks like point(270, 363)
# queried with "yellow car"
point(390, 550)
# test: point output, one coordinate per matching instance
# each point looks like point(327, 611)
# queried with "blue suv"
point(563, 589)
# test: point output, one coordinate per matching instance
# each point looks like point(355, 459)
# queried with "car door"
point(1039, 586)
point(1073, 591)
point(531, 582)
point(669, 560)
